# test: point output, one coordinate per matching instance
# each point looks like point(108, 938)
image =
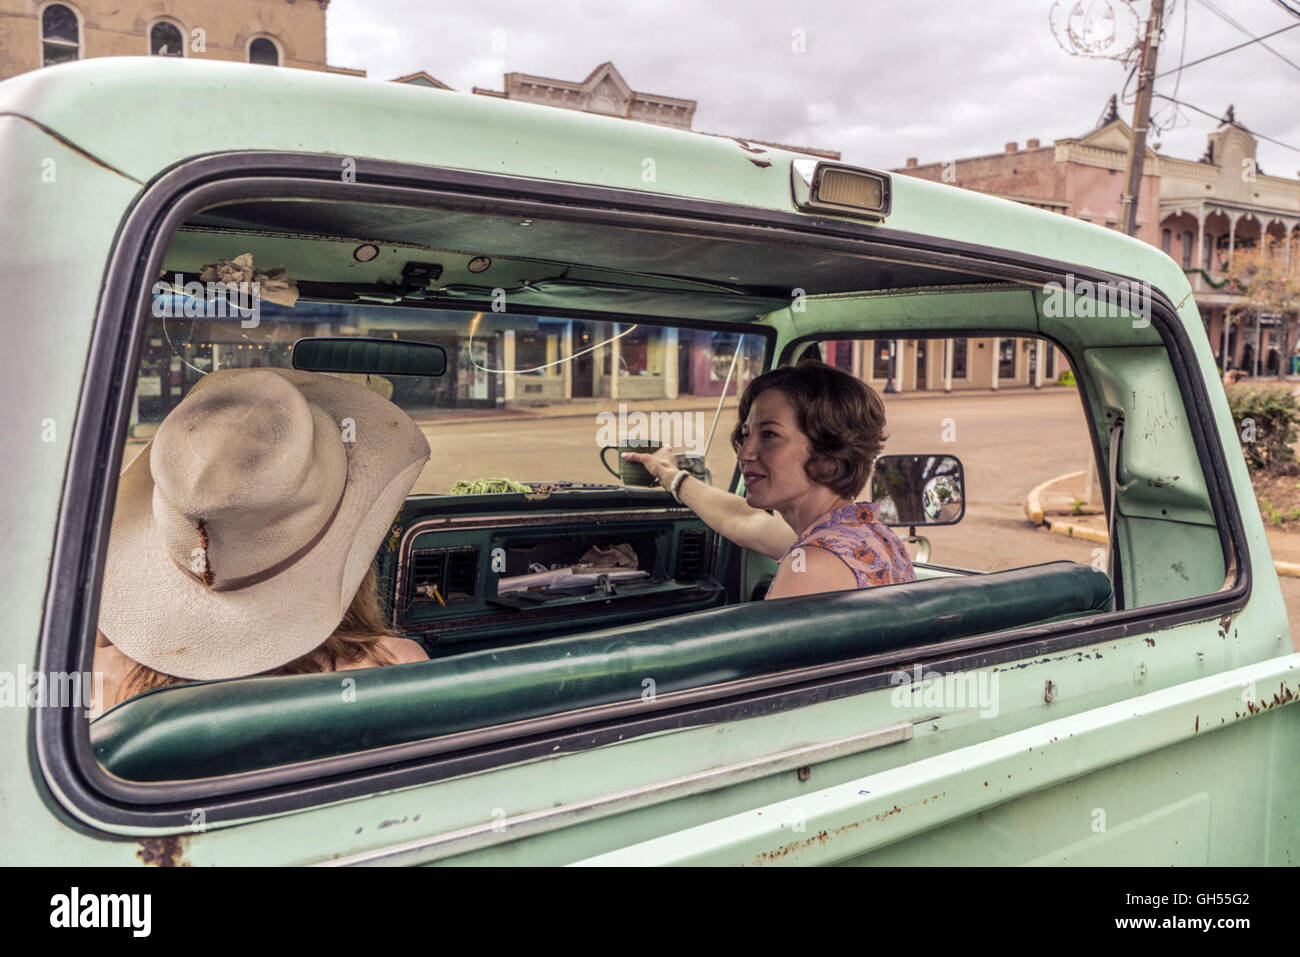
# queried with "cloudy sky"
point(879, 80)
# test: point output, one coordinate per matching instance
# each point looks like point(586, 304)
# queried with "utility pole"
point(1137, 148)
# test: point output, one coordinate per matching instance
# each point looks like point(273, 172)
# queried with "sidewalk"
point(1053, 505)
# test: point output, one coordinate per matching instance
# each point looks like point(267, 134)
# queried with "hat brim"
point(161, 616)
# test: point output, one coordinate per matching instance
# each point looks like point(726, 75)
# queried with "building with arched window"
point(39, 33)
point(1199, 211)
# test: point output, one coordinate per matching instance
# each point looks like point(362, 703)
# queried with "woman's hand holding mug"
point(661, 463)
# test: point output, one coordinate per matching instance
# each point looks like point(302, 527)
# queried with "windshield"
point(530, 399)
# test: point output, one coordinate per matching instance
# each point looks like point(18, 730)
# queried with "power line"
point(1233, 23)
point(1231, 49)
point(1178, 77)
point(1215, 116)
point(1289, 9)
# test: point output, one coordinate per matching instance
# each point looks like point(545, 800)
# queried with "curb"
point(1077, 531)
point(1290, 569)
point(1033, 501)
point(1034, 509)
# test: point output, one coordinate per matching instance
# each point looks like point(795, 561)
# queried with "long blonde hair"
point(359, 635)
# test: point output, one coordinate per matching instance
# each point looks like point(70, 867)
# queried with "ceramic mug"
point(629, 472)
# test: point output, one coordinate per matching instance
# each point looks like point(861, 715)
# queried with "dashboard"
point(479, 571)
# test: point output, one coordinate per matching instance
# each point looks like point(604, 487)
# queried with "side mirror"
point(917, 490)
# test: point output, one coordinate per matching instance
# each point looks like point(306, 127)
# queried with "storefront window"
point(880, 359)
point(642, 352)
point(840, 354)
point(723, 347)
point(539, 350)
point(959, 351)
point(1006, 358)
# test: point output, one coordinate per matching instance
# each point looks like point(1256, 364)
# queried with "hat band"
point(245, 581)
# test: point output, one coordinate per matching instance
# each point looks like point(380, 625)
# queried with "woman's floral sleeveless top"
point(869, 548)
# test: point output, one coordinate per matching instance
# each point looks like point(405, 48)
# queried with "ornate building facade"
point(605, 91)
point(1210, 208)
point(602, 91)
point(1198, 211)
point(37, 33)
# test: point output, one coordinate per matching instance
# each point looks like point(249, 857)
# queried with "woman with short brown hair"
point(805, 442)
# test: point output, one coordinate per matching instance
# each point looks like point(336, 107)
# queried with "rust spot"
point(1198, 725)
point(71, 145)
point(166, 851)
point(822, 836)
point(804, 773)
point(761, 164)
point(747, 148)
point(1150, 641)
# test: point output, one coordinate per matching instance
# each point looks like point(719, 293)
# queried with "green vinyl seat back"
point(222, 727)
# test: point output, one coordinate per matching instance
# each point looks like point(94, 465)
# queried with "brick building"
point(35, 33)
point(1198, 211)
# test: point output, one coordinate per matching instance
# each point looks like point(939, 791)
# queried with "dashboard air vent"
point(453, 573)
point(692, 553)
point(462, 575)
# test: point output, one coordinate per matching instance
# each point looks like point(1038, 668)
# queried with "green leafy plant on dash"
point(488, 486)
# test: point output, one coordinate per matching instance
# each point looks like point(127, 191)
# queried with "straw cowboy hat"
point(243, 530)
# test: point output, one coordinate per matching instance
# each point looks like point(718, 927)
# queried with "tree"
point(1269, 282)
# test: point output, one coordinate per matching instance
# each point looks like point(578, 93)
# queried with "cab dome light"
point(833, 187)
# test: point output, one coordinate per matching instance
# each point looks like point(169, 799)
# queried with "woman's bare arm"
point(820, 571)
point(725, 512)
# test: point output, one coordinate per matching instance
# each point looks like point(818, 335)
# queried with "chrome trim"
point(439, 846)
point(805, 168)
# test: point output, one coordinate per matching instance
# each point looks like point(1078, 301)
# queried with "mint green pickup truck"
point(580, 273)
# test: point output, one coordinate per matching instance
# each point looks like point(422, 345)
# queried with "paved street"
point(1008, 443)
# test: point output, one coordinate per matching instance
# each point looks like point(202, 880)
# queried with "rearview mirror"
point(919, 489)
point(381, 357)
